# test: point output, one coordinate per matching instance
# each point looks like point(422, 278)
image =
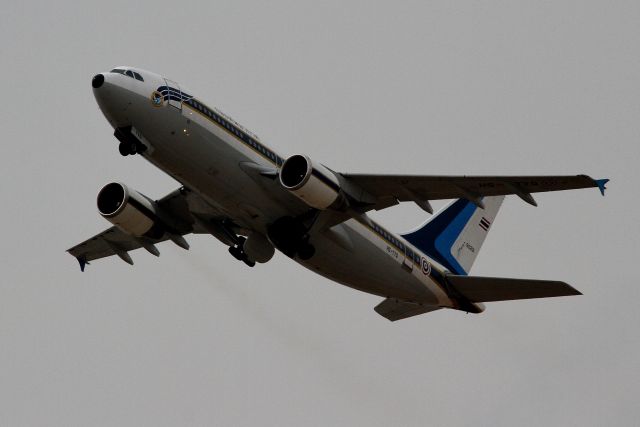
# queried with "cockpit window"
point(128, 73)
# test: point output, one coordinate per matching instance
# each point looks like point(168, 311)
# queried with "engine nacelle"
point(311, 182)
point(131, 211)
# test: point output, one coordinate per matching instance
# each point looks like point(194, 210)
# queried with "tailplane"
point(488, 289)
point(453, 237)
point(472, 291)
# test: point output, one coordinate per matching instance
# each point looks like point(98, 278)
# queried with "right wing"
point(381, 191)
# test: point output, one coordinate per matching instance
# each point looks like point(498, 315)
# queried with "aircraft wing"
point(388, 190)
point(111, 241)
point(189, 214)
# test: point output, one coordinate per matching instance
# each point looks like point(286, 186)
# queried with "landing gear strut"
point(237, 252)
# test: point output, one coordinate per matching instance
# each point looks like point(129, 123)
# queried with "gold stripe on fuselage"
point(229, 132)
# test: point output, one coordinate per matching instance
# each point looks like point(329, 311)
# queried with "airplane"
point(255, 201)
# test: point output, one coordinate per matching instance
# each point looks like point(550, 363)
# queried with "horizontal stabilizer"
point(396, 309)
point(487, 289)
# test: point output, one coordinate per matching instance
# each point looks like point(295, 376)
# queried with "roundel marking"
point(157, 99)
point(425, 266)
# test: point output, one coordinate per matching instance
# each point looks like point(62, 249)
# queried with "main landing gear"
point(290, 235)
point(238, 252)
point(306, 250)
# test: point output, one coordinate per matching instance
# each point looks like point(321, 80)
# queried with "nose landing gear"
point(126, 148)
point(129, 144)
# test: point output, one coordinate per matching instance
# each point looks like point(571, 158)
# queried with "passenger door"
point(408, 258)
point(174, 95)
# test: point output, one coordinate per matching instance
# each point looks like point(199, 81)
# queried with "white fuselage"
point(211, 155)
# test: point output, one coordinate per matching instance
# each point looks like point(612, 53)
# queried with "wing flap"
point(488, 289)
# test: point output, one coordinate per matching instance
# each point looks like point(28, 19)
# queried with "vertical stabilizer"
point(453, 237)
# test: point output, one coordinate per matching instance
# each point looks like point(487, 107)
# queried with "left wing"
point(189, 213)
point(388, 190)
point(112, 241)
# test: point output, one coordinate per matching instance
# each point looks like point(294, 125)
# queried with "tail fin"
point(453, 237)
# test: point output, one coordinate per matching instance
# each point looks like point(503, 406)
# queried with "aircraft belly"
point(368, 268)
point(206, 159)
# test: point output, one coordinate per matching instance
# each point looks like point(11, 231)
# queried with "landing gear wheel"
point(123, 148)
point(306, 251)
point(133, 148)
point(248, 261)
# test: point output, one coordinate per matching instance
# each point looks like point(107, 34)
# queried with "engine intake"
point(133, 212)
point(311, 182)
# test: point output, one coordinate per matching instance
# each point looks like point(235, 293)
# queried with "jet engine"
point(133, 212)
point(311, 182)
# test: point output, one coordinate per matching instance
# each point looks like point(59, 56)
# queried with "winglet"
point(601, 185)
point(83, 262)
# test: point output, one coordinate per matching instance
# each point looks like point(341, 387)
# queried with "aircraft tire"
point(306, 251)
point(124, 150)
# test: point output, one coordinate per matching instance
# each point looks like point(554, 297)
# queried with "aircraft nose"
point(97, 81)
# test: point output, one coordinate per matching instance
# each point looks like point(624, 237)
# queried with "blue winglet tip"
point(83, 262)
point(602, 185)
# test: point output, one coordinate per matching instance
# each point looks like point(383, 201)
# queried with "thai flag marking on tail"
point(485, 224)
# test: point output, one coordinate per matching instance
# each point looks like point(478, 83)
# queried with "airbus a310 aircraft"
point(255, 201)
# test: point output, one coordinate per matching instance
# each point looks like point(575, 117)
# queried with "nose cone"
point(113, 99)
point(97, 81)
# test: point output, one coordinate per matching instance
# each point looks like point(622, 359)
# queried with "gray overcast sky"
point(439, 87)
